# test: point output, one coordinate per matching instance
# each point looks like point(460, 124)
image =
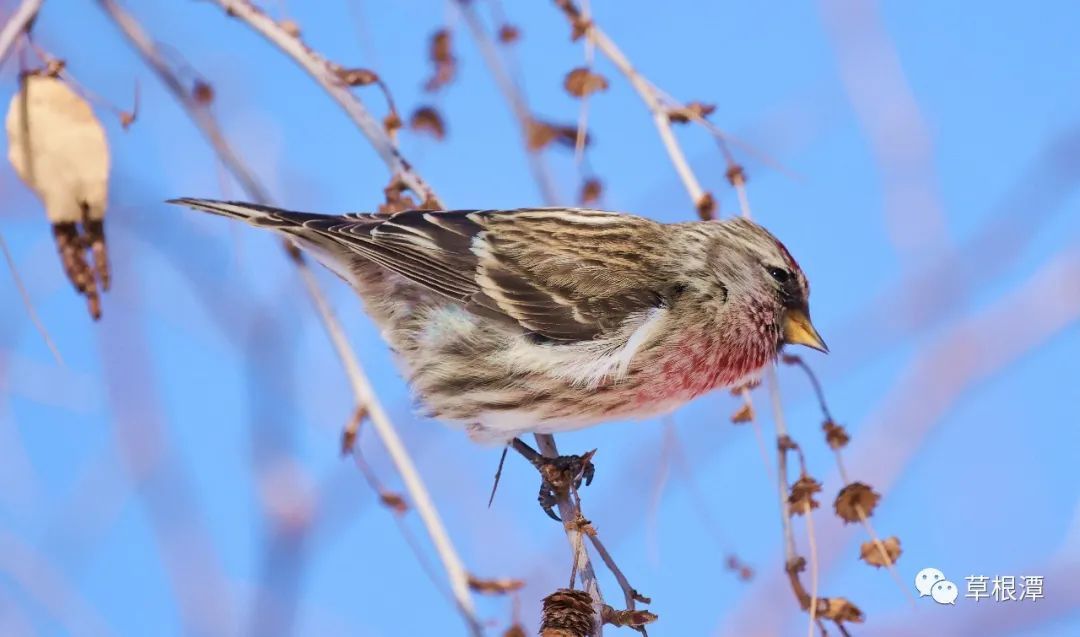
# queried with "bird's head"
point(765, 274)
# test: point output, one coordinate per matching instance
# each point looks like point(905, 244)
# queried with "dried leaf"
point(394, 502)
point(591, 190)
point(693, 110)
point(441, 55)
point(626, 618)
point(854, 499)
point(290, 27)
point(541, 134)
point(745, 414)
point(356, 77)
point(835, 435)
point(870, 552)
point(517, 630)
point(839, 609)
point(427, 120)
point(392, 122)
point(495, 586)
point(706, 207)
point(802, 493)
point(58, 148)
point(736, 176)
point(202, 92)
point(508, 34)
point(581, 82)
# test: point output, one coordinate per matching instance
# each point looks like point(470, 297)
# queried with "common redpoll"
point(546, 320)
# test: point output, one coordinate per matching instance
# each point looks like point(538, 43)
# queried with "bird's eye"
point(781, 275)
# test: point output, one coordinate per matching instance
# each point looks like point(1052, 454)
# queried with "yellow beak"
point(798, 330)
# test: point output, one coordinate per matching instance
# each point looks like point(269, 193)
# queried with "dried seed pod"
point(854, 501)
point(591, 190)
point(541, 134)
point(744, 415)
point(802, 493)
point(508, 34)
point(568, 613)
point(442, 56)
point(581, 82)
point(692, 110)
point(835, 435)
point(870, 552)
point(58, 148)
point(427, 120)
point(495, 586)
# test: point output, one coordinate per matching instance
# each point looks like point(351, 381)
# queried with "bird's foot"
point(557, 475)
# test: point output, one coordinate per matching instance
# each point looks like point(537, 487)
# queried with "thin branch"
point(358, 380)
point(20, 22)
point(570, 512)
point(327, 74)
point(511, 89)
point(653, 101)
point(29, 303)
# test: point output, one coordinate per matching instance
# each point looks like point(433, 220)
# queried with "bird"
point(545, 320)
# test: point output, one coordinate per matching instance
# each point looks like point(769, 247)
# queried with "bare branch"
point(326, 74)
point(20, 22)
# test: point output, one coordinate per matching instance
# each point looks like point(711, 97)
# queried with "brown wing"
point(563, 274)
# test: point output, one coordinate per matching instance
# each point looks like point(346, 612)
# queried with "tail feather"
point(252, 213)
point(326, 249)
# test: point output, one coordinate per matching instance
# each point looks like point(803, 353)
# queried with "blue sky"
point(134, 484)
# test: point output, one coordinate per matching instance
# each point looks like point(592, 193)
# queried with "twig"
point(358, 380)
point(511, 89)
point(20, 22)
point(29, 303)
point(702, 200)
point(570, 512)
point(326, 74)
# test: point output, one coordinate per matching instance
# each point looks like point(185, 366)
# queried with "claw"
point(558, 475)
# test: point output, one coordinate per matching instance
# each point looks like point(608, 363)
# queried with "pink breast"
point(699, 364)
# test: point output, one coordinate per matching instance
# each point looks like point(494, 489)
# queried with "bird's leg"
point(557, 475)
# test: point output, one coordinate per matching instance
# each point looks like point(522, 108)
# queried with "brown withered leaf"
point(870, 552)
point(508, 34)
point(853, 499)
point(692, 110)
point(517, 630)
point(626, 618)
point(426, 119)
point(582, 82)
point(58, 148)
point(835, 435)
point(802, 494)
point(202, 92)
point(745, 414)
point(394, 502)
point(591, 190)
point(839, 609)
point(356, 77)
point(290, 27)
point(442, 56)
point(736, 175)
point(392, 122)
point(541, 134)
point(706, 207)
point(495, 586)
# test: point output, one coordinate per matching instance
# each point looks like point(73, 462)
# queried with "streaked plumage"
point(543, 320)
